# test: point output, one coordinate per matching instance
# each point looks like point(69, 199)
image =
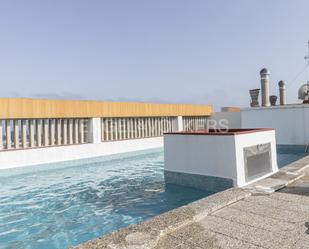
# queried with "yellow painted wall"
point(12, 108)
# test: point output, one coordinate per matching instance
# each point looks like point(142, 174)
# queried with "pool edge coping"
point(147, 233)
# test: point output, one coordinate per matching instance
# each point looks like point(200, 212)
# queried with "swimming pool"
point(290, 153)
point(64, 204)
point(56, 208)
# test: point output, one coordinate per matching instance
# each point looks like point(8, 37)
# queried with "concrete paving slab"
point(249, 218)
point(278, 214)
point(278, 204)
point(198, 236)
point(291, 198)
point(255, 220)
point(245, 233)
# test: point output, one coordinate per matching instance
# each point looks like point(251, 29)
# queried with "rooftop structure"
point(282, 92)
point(265, 87)
point(230, 109)
point(219, 159)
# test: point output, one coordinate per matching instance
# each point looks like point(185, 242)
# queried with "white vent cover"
point(257, 161)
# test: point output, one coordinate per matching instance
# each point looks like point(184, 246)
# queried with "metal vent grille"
point(257, 160)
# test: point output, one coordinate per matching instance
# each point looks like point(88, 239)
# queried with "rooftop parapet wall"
point(291, 122)
point(13, 108)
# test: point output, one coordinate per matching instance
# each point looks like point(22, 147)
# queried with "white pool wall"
point(45, 155)
point(201, 155)
point(29, 157)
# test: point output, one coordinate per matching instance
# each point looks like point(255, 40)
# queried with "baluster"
point(75, 131)
point(128, 125)
point(116, 129)
point(39, 132)
point(64, 131)
point(134, 128)
point(124, 128)
point(31, 133)
point(52, 131)
point(87, 130)
point(58, 131)
point(103, 137)
point(143, 127)
point(46, 132)
point(1, 134)
point(24, 133)
point(70, 130)
point(16, 134)
point(131, 128)
point(111, 129)
point(138, 127)
point(81, 131)
point(106, 129)
point(8, 134)
point(148, 127)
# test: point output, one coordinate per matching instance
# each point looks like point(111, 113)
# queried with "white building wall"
point(232, 119)
point(291, 122)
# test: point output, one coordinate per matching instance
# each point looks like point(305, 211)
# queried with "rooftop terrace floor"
point(272, 213)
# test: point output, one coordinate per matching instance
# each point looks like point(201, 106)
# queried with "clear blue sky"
point(193, 51)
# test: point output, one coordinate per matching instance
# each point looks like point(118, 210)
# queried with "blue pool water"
point(56, 208)
point(288, 154)
point(64, 204)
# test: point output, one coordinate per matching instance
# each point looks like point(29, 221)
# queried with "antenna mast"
point(307, 58)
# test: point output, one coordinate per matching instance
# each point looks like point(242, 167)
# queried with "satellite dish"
point(303, 92)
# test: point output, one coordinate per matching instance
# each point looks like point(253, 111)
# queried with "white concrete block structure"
point(218, 160)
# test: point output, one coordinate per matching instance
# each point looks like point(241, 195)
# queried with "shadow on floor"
point(297, 189)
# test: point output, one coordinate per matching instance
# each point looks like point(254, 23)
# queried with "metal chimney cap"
point(281, 83)
point(303, 91)
point(264, 71)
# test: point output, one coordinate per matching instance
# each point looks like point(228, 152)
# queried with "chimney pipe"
point(264, 73)
point(282, 92)
point(254, 94)
point(273, 100)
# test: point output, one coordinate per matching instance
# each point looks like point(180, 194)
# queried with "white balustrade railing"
point(194, 123)
point(114, 129)
point(32, 133)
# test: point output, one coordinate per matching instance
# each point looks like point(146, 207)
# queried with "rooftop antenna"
point(292, 81)
point(303, 92)
point(307, 58)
